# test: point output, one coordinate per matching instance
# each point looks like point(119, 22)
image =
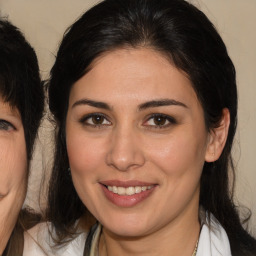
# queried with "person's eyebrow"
point(92, 103)
point(160, 103)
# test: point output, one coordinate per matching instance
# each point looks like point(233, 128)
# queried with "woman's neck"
point(179, 237)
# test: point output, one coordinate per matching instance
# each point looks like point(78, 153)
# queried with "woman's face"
point(13, 169)
point(136, 142)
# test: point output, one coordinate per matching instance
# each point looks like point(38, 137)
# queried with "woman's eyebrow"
point(160, 103)
point(96, 104)
point(149, 104)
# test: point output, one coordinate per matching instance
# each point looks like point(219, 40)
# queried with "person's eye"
point(95, 120)
point(159, 121)
point(6, 126)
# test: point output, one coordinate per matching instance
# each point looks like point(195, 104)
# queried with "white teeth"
point(128, 191)
point(121, 191)
point(137, 190)
point(114, 189)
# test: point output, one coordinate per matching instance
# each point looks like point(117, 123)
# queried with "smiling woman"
point(21, 107)
point(144, 97)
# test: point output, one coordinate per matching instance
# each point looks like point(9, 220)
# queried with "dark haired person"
point(145, 101)
point(21, 108)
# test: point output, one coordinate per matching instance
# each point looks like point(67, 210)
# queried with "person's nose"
point(125, 151)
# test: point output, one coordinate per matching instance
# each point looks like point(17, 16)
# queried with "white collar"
point(213, 239)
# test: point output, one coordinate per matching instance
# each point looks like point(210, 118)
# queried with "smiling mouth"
point(129, 191)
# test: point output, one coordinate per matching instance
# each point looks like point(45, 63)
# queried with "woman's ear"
point(217, 138)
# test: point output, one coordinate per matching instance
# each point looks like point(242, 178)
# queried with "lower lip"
point(127, 201)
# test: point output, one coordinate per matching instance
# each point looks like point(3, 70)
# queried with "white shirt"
point(213, 241)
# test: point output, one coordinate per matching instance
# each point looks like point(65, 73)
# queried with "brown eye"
point(159, 120)
point(97, 120)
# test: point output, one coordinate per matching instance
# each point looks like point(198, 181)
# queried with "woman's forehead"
point(133, 73)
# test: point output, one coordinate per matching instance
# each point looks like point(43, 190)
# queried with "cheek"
point(180, 153)
point(84, 154)
point(86, 162)
point(13, 182)
point(13, 165)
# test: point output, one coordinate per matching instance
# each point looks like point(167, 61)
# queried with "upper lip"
point(126, 184)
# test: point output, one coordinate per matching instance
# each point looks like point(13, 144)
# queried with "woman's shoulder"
point(38, 241)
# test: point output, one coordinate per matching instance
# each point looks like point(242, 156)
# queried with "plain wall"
point(44, 21)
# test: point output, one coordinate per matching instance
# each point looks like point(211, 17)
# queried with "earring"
point(69, 171)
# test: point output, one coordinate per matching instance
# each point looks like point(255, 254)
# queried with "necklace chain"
point(194, 253)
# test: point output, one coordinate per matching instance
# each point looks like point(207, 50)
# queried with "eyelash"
point(84, 120)
point(166, 118)
point(170, 119)
point(5, 125)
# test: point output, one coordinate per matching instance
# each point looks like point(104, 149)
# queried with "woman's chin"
point(126, 232)
point(127, 229)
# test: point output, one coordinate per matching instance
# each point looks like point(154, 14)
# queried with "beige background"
point(44, 21)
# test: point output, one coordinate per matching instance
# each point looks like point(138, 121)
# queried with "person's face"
point(13, 167)
point(136, 142)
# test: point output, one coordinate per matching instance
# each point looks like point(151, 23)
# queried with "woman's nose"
point(125, 151)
